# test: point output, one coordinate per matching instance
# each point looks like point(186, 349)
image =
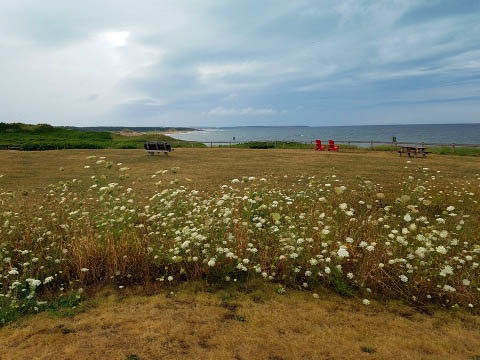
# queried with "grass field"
point(169, 256)
point(209, 168)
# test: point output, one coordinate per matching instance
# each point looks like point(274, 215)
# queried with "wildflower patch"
point(420, 244)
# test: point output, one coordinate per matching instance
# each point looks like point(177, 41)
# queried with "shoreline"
point(174, 132)
point(439, 135)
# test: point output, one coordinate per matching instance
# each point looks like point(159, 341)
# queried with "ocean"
point(432, 133)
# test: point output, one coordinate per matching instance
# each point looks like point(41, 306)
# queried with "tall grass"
point(419, 243)
point(459, 150)
point(272, 145)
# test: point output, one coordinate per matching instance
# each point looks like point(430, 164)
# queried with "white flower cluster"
point(313, 231)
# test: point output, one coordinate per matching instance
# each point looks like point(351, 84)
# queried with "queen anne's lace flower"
point(342, 252)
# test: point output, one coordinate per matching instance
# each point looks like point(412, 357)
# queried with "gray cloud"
point(92, 97)
point(206, 62)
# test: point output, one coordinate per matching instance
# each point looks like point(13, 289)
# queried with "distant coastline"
point(138, 129)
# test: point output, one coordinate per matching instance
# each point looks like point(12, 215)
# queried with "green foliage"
point(56, 145)
point(450, 150)
point(338, 283)
point(66, 305)
point(46, 137)
point(261, 145)
point(271, 145)
point(438, 150)
point(10, 312)
point(384, 148)
point(348, 147)
point(132, 357)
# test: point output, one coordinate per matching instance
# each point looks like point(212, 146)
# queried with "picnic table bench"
point(157, 147)
point(413, 151)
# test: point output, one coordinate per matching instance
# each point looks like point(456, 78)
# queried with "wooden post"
point(211, 144)
point(453, 145)
point(371, 145)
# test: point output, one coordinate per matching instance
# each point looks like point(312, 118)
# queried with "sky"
point(235, 63)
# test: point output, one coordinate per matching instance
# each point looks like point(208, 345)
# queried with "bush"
point(461, 150)
point(127, 145)
point(60, 145)
point(261, 145)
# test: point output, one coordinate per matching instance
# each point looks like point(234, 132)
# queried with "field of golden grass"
point(249, 322)
point(209, 168)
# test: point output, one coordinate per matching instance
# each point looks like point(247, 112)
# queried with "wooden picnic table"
point(413, 151)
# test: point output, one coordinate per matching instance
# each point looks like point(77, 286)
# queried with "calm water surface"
point(449, 133)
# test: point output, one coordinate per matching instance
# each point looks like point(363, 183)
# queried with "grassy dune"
point(46, 137)
point(332, 255)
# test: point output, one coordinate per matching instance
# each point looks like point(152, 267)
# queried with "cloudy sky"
point(248, 62)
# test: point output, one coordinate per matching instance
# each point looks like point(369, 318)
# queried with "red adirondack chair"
point(318, 145)
point(331, 146)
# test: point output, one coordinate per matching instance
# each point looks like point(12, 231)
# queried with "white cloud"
point(115, 38)
point(59, 79)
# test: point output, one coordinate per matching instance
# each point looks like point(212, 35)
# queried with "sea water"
point(432, 133)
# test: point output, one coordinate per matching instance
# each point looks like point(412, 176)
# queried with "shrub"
point(260, 145)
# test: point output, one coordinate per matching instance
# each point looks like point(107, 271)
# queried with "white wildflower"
point(343, 253)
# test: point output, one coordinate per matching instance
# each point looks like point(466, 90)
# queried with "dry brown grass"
point(260, 325)
point(209, 168)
